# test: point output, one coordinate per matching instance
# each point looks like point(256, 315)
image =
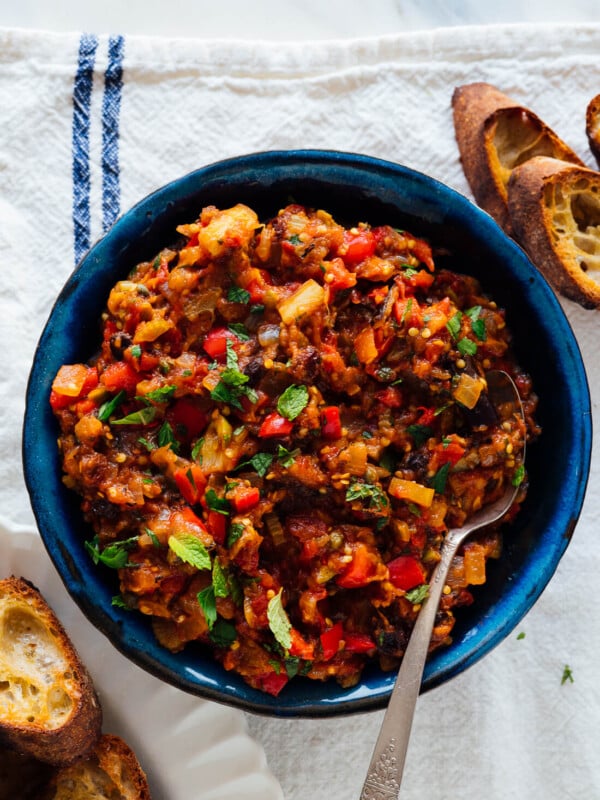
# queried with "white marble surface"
point(281, 20)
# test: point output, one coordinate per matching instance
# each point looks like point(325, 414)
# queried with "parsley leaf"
point(279, 622)
point(418, 594)
point(113, 555)
point(191, 550)
point(161, 395)
point(236, 529)
point(239, 330)
point(166, 437)
point(287, 457)
point(454, 324)
point(216, 503)
point(477, 323)
point(519, 476)
point(367, 491)
point(567, 675)
point(467, 347)
point(238, 295)
point(292, 401)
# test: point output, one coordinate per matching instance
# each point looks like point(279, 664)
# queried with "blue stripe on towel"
point(82, 94)
point(111, 106)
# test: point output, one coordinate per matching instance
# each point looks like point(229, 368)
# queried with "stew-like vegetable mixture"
point(282, 421)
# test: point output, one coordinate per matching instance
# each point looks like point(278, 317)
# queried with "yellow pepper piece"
point(411, 491)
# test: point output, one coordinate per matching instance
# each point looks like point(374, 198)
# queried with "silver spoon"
point(387, 763)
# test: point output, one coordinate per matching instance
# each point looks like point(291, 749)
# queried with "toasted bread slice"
point(555, 212)
point(592, 126)
point(110, 772)
point(48, 705)
point(495, 134)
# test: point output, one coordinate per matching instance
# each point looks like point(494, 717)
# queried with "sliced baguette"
point(110, 772)
point(495, 134)
point(48, 705)
point(555, 213)
point(592, 126)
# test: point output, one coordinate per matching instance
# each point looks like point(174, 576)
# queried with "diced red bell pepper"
point(420, 280)
point(148, 362)
point(406, 572)
point(217, 525)
point(359, 571)
point(215, 342)
point(273, 682)
point(275, 425)
point(120, 376)
point(450, 452)
point(185, 413)
point(245, 497)
point(358, 643)
point(331, 425)
point(330, 640)
point(427, 416)
point(191, 483)
point(189, 516)
point(299, 647)
point(357, 246)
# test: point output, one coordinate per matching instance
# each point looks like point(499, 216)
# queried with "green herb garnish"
point(216, 503)
point(108, 408)
point(161, 395)
point(375, 495)
point(207, 602)
point(142, 417)
point(293, 401)
point(238, 295)
point(279, 622)
point(418, 594)
point(189, 549)
point(438, 482)
point(114, 555)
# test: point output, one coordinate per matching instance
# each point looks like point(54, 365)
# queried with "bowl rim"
point(369, 694)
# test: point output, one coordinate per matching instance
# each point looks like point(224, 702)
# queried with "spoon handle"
point(387, 763)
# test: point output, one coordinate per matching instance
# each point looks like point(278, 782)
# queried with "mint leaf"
point(216, 503)
point(220, 580)
point(190, 549)
point(142, 417)
point(206, 599)
point(438, 482)
point(293, 401)
point(239, 330)
point(108, 408)
point(466, 347)
point(418, 594)
point(161, 395)
point(279, 622)
point(236, 529)
point(223, 633)
point(454, 324)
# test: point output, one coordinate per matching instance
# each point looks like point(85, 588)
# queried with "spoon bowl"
point(385, 771)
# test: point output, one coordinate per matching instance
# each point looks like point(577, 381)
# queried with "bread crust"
point(555, 208)
point(49, 708)
point(110, 770)
point(495, 134)
point(592, 126)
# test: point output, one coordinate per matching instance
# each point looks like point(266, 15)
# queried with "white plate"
point(191, 749)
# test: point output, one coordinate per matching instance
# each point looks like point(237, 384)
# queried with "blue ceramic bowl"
point(353, 188)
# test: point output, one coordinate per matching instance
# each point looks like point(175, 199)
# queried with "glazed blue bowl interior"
point(353, 188)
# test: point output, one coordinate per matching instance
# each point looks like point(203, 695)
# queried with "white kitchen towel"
point(90, 124)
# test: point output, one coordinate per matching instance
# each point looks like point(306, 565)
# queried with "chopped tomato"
point(72, 382)
point(215, 342)
point(275, 425)
point(274, 682)
point(357, 246)
point(358, 643)
point(191, 483)
point(330, 640)
point(427, 416)
point(331, 425)
point(245, 498)
point(406, 572)
point(449, 452)
point(189, 516)
point(120, 376)
point(337, 277)
point(217, 525)
point(408, 312)
point(187, 418)
point(360, 571)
